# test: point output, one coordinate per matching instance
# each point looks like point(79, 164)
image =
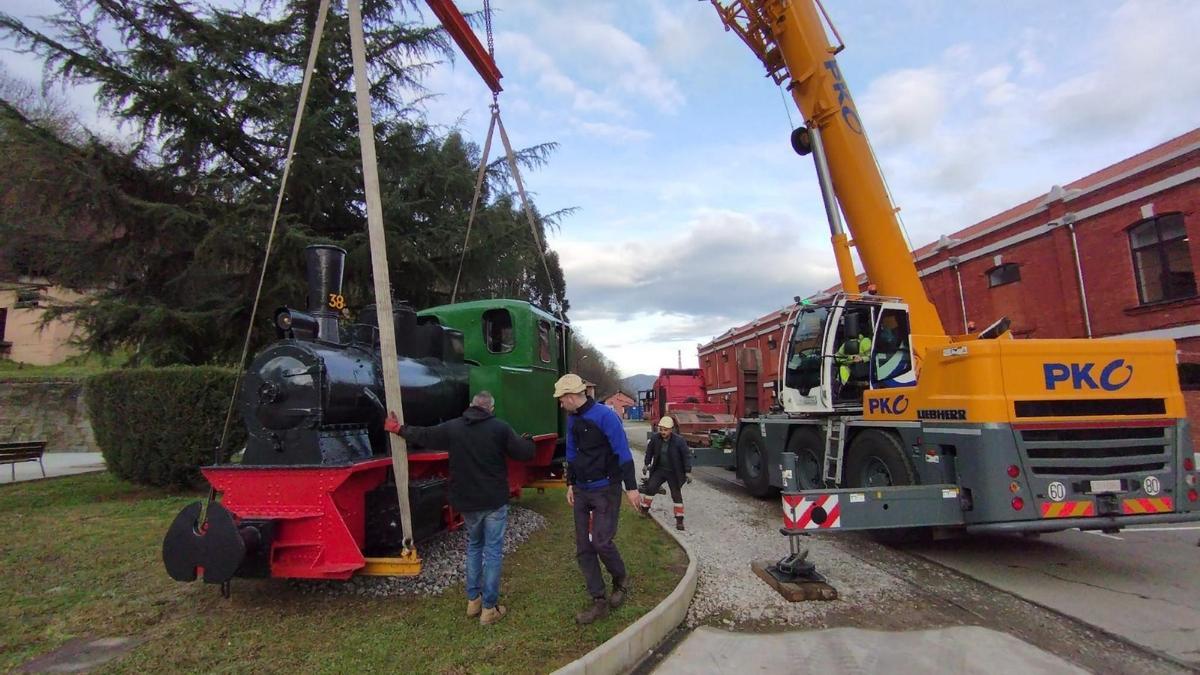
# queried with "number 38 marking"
point(336, 301)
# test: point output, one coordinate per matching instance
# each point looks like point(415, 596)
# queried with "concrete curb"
point(624, 650)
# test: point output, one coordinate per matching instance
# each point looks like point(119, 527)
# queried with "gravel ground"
point(880, 588)
point(442, 562)
point(726, 534)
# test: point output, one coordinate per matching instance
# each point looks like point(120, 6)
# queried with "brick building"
point(620, 402)
point(1106, 256)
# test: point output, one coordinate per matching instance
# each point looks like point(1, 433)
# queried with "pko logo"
point(888, 406)
point(1081, 375)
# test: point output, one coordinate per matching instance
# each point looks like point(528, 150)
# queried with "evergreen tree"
point(167, 231)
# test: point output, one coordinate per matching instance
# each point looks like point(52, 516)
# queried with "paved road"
point(56, 464)
point(1140, 584)
point(908, 596)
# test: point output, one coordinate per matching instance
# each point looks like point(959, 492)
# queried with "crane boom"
point(790, 40)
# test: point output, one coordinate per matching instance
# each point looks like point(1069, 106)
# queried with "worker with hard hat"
point(598, 462)
point(668, 460)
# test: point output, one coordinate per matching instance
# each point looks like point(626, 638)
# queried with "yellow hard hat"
point(569, 384)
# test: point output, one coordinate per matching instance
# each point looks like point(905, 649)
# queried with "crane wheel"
point(806, 444)
point(752, 462)
point(876, 458)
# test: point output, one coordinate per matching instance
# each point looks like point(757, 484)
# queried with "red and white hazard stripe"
point(811, 512)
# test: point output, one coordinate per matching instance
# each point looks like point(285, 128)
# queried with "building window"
point(1161, 261)
point(28, 298)
point(1004, 274)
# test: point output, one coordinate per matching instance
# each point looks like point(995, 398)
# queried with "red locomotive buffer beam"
point(464, 37)
point(319, 513)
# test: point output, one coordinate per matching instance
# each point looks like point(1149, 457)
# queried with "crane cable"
point(511, 160)
point(309, 67)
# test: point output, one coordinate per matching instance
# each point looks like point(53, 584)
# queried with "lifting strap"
point(495, 123)
point(379, 269)
point(511, 160)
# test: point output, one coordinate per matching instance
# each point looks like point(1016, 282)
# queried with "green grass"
point(81, 558)
point(73, 368)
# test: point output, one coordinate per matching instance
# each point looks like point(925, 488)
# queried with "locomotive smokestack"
point(324, 271)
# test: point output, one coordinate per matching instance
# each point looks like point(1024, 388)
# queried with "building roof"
point(1155, 154)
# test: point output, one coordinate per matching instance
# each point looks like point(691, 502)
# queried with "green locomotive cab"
point(516, 351)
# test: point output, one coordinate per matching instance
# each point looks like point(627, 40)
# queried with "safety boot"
point(679, 523)
point(620, 591)
point(474, 607)
point(491, 615)
point(597, 611)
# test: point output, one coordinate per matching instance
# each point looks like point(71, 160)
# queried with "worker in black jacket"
point(479, 445)
point(668, 460)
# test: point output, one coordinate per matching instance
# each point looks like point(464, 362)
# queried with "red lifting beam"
point(457, 26)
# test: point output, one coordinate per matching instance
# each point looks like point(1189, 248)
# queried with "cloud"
point(721, 264)
point(548, 78)
point(613, 57)
point(1143, 62)
point(614, 132)
point(905, 106)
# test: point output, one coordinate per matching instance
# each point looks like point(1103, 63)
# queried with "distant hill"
point(635, 383)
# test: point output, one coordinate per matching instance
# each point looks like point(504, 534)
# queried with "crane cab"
point(839, 349)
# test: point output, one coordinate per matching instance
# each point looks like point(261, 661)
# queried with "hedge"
point(157, 426)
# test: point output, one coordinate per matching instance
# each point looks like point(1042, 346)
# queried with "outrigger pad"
point(218, 549)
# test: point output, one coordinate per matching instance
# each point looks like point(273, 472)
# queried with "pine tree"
point(167, 231)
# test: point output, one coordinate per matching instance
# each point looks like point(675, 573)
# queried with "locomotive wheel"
point(809, 449)
point(752, 462)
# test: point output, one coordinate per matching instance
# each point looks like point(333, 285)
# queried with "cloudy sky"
point(693, 213)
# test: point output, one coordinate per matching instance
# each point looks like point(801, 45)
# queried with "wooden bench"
point(14, 452)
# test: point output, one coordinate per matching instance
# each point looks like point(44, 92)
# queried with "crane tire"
point(809, 449)
point(753, 467)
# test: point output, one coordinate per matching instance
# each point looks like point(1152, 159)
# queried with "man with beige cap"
point(598, 461)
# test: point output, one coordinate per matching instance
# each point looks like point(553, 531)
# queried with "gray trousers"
point(604, 508)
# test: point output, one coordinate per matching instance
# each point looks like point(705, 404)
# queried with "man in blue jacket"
point(598, 461)
point(480, 445)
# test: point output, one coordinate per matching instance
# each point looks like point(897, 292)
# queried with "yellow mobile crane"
point(888, 422)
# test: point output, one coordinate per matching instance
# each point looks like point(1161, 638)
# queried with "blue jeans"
point(485, 550)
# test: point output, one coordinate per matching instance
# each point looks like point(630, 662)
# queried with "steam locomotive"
point(314, 495)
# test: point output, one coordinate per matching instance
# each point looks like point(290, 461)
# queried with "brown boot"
point(474, 607)
point(491, 615)
point(620, 592)
point(598, 610)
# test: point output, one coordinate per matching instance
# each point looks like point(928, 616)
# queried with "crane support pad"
point(872, 508)
point(792, 591)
